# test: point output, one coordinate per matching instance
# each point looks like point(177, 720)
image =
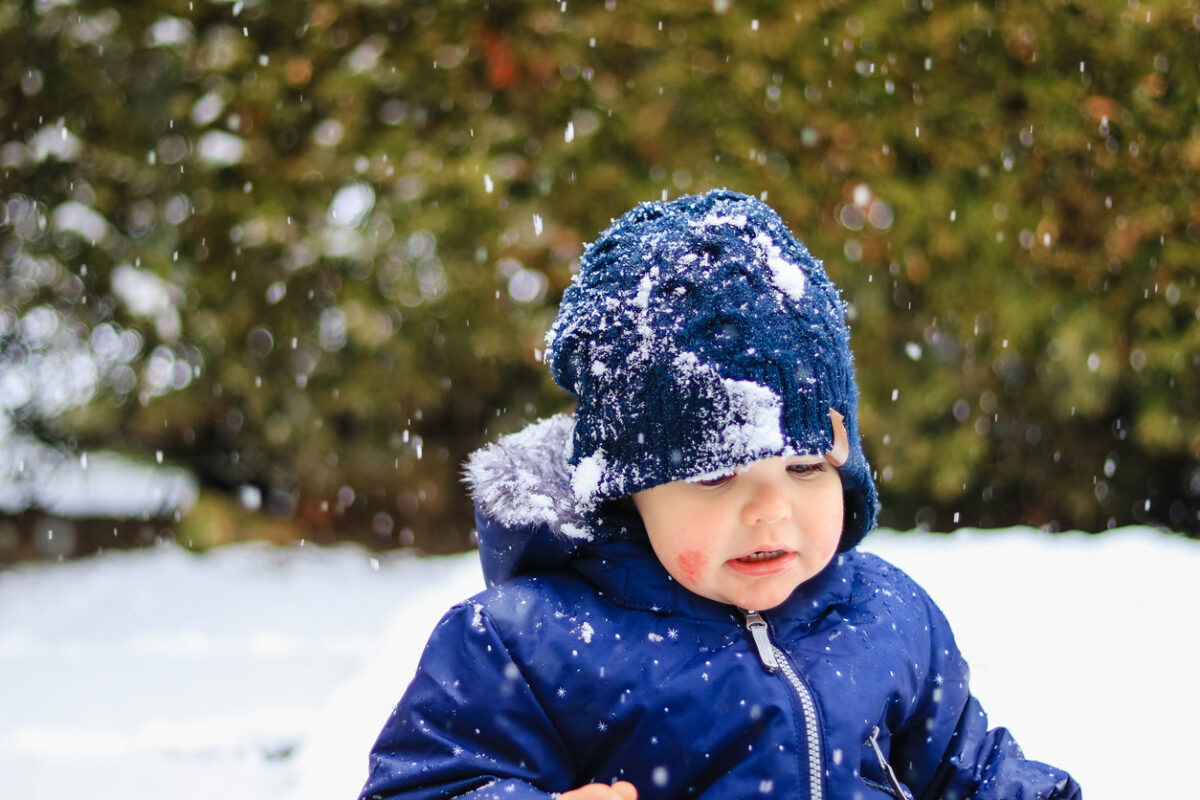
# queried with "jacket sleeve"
point(945, 749)
point(469, 725)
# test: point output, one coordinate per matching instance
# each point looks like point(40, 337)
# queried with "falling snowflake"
point(602, 726)
point(672, 633)
point(561, 692)
point(458, 751)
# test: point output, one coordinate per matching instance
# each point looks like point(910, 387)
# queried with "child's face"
point(752, 537)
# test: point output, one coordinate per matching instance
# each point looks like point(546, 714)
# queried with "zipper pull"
point(884, 765)
point(762, 641)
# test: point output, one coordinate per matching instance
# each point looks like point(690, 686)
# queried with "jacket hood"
point(529, 518)
point(525, 510)
point(529, 521)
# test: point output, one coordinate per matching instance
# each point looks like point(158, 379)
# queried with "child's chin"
point(764, 598)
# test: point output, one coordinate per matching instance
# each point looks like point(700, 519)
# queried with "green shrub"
point(1006, 193)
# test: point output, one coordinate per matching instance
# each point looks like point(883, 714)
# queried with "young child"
point(676, 608)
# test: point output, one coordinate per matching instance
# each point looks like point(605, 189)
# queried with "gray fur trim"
point(523, 480)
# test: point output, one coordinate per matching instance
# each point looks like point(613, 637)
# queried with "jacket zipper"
point(773, 660)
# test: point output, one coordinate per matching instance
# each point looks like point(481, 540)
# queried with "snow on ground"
point(261, 672)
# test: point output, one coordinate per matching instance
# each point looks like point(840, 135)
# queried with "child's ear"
point(841, 442)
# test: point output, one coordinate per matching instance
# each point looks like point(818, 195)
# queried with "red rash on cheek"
point(691, 564)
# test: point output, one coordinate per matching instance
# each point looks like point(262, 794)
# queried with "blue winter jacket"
point(593, 665)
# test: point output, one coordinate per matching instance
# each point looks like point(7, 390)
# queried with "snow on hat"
point(700, 336)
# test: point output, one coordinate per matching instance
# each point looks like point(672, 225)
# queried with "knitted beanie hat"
point(700, 336)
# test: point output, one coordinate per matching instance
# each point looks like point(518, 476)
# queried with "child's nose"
point(767, 504)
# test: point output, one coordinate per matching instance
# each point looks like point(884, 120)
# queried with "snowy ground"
point(260, 672)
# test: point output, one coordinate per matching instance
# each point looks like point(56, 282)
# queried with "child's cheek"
point(691, 564)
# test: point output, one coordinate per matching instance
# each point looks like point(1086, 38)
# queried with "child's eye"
point(717, 481)
point(804, 470)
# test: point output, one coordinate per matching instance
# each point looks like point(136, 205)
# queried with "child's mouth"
point(762, 555)
point(762, 563)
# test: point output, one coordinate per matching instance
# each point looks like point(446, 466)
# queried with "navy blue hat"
point(700, 336)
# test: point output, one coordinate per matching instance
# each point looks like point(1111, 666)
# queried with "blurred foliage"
point(310, 249)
